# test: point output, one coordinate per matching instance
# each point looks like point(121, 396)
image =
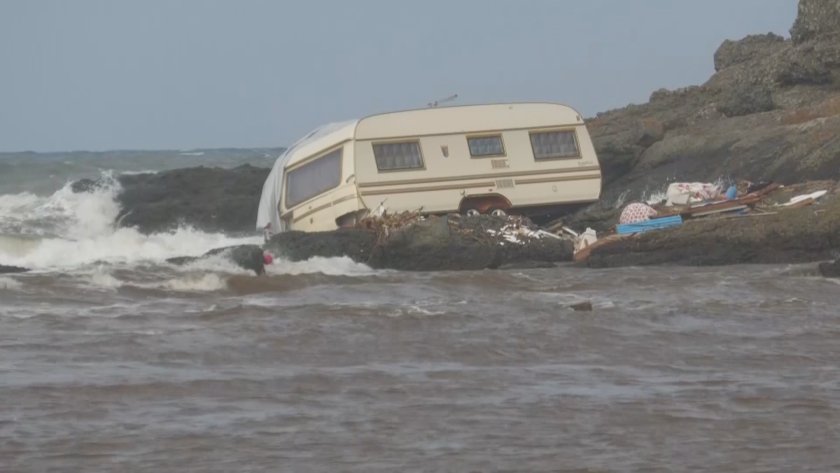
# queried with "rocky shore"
point(770, 112)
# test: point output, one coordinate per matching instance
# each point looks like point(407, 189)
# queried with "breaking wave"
point(69, 229)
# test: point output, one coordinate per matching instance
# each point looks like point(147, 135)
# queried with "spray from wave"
point(69, 229)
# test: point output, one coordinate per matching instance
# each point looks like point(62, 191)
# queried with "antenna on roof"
point(443, 100)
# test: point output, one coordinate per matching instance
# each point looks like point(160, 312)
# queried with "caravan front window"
point(554, 145)
point(313, 178)
point(398, 156)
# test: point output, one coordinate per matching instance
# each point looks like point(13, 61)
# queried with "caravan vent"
point(504, 183)
point(500, 163)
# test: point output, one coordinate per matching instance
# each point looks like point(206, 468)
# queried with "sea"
point(112, 360)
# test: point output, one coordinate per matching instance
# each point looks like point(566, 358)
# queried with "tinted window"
point(313, 178)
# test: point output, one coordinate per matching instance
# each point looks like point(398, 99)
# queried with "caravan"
point(526, 158)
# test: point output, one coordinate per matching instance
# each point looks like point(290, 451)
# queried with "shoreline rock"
point(12, 269)
point(434, 243)
point(798, 235)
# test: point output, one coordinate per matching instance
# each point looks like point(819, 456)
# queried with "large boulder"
point(244, 256)
point(789, 236)
point(447, 242)
point(12, 269)
point(209, 199)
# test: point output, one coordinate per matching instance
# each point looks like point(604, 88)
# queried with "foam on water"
point(9, 283)
point(341, 266)
point(68, 229)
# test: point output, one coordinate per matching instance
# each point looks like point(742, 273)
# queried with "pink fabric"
point(267, 258)
point(636, 212)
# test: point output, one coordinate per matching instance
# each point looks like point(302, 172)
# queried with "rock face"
point(771, 111)
point(244, 256)
point(816, 18)
point(436, 243)
point(12, 269)
point(790, 236)
point(210, 199)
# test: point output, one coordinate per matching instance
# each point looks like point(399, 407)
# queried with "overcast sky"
point(177, 74)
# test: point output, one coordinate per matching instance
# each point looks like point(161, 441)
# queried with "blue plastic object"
point(648, 225)
point(732, 193)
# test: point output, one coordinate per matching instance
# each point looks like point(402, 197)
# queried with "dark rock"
point(209, 199)
point(585, 306)
point(830, 270)
point(746, 100)
point(790, 236)
point(244, 256)
point(356, 244)
point(84, 185)
point(436, 243)
point(12, 269)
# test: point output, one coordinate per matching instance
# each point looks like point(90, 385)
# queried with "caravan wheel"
point(498, 213)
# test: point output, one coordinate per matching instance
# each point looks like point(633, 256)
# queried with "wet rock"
point(585, 306)
point(209, 199)
point(790, 236)
point(244, 256)
point(830, 270)
point(357, 244)
point(12, 269)
point(435, 243)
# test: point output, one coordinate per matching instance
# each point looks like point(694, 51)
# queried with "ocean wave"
point(68, 229)
point(339, 266)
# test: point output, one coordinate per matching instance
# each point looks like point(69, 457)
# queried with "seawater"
point(113, 360)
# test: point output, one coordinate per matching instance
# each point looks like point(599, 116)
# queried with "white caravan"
point(527, 158)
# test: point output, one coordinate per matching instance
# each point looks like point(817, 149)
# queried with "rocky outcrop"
point(789, 236)
point(435, 243)
point(771, 111)
point(245, 256)
point(12, 269)
point(815, 19)
point(209, 199)
point(731, 53)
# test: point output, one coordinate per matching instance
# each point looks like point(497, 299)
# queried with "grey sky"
point(107, 74)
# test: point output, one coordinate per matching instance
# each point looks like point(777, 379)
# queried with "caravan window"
point(313, 178)
point(398, 156)
point(554, 145)
point(481, 146)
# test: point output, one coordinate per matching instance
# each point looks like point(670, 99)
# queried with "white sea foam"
point(69, 229)
point(341, 266)
point(9, 283)
point(195, 282)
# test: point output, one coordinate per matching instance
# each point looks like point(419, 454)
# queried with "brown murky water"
point(676, 369)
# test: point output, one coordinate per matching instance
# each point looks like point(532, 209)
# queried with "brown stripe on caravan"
point(325, 206)
point(494, 175)
point(557, 179)
point(430, 188)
